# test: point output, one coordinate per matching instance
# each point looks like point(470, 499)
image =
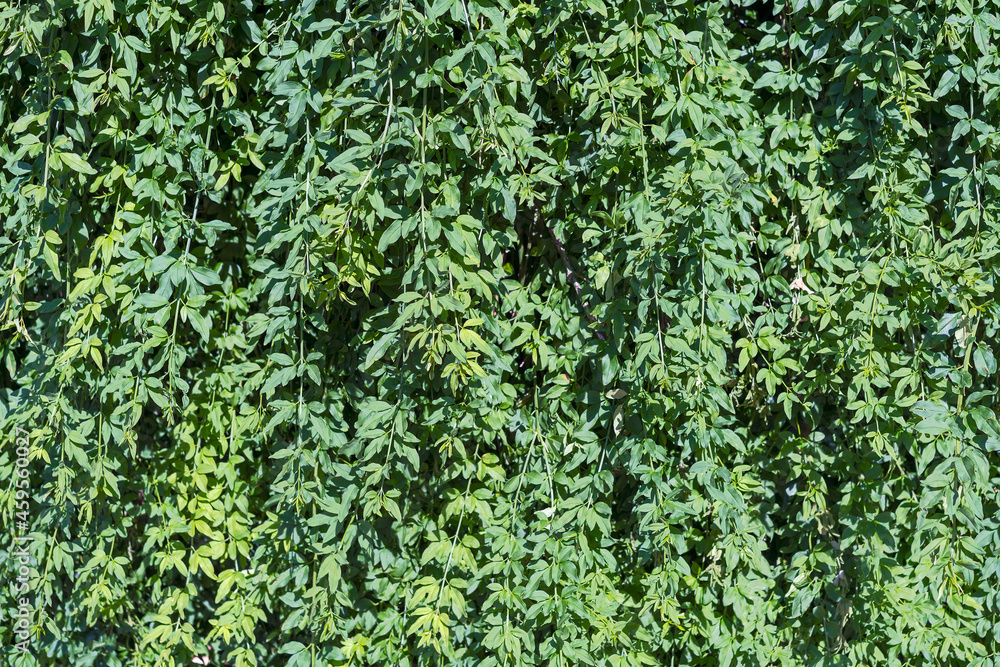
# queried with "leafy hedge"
point(468, 332)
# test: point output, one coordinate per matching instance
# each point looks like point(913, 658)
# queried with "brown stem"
point(571, 276)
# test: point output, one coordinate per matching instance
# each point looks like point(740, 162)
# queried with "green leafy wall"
point(475, 333)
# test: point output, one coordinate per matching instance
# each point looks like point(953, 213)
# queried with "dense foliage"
point(469, 332)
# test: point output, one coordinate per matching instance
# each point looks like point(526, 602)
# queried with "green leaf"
point(76, 163)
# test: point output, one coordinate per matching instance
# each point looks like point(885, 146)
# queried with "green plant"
point(473, 332)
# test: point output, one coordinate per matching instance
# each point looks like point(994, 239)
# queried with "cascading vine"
point(483, 333)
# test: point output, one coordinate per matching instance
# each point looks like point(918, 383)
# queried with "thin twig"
point(571, 276)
